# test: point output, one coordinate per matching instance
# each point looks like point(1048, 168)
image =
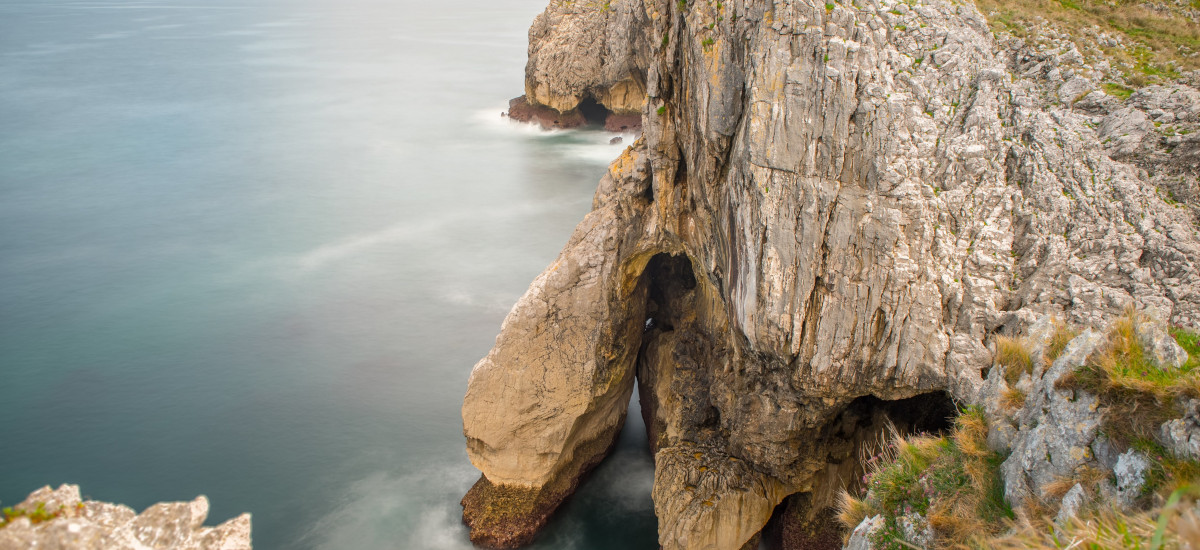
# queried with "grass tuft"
point(952, 480)
point(1117, 91)
point(1012, 399)
point(1063, 334)
point(1013, 354)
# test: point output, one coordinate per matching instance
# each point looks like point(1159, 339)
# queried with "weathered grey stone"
point(1182, 435)
point(1071, 503)
point(1130, 471)
point(1159, 346)
point(860, 538)
point(91, 525)
point(917, 530)
point(1057, 427)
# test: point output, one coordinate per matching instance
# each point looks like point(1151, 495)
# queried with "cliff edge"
point(834, 212)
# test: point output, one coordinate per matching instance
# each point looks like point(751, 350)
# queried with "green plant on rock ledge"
point(38, 515)
point(951, 481)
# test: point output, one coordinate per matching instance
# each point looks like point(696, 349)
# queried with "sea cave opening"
point(808, 520)
point(673, 352)
point(613, 504)
point(593, 112)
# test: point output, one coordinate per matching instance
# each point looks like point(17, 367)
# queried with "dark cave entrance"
point(670, 282)
point(808, 521)
point(674, 346)
point(593, 112)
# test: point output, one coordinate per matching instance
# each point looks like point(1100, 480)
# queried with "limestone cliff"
point(834, 208)
point(61, 519)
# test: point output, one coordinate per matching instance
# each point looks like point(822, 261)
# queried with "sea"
point(251, 249)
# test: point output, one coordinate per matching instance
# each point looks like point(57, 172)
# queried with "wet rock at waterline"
point(520, 109)
point(825, 217)
point(61, 519)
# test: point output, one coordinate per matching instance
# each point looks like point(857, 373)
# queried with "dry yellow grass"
point(952, 480)
point(1013, 354)
point(1137, 394)
point(1012, 399)
point(1063, 334)
point(1174, 527)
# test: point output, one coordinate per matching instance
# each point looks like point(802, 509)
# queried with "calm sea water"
point(252, 249)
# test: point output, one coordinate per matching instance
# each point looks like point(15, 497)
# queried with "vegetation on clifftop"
point(1137, 396)
point(1156, 42)
point(37, 515)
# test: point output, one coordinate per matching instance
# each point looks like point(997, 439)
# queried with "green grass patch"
point(1117, 90)
point(38, 515)
point(952, 480)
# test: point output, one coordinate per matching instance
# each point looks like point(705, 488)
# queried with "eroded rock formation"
point(64, 520)
point(830, 203)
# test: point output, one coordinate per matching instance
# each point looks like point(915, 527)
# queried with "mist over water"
point(252, 250)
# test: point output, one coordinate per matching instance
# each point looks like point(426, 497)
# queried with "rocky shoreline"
point(60, 518)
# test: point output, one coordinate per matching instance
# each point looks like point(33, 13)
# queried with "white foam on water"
point(462, 296)
point(496, 119)
point(587, 144)
point(418, 510)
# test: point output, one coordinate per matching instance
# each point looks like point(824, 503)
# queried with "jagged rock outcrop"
point(830, 202)
point(77, 524)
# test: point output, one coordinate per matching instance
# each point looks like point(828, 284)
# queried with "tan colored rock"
point(709, 499)
point(587, 49)
point(547, 402)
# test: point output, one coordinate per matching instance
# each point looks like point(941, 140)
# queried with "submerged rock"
point(90, 525)
point(831, 205)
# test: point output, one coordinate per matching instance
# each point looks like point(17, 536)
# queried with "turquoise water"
point(252, 249)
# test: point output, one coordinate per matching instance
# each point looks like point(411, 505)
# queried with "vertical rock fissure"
point(670, 284)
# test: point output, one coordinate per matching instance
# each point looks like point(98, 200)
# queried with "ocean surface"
point(252, 250)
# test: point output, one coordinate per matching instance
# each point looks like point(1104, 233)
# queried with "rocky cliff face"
point(832, 212)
